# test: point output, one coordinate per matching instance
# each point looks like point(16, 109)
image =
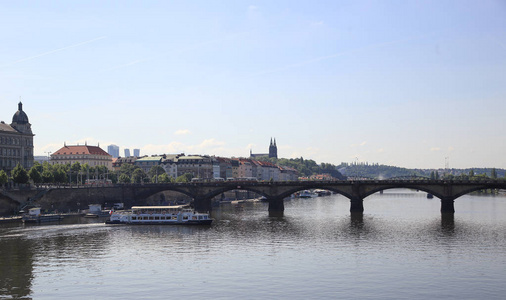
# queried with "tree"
point(38, 166)
point(35, 175)
point(60, 175)
point(85, 168)
point(3, 177)
point(155, 171)
point(19, 174)
point(164, 178)
point(47, 176)
point(127, 169)
point(124, 178)
point(138, 176)
point(187, 177)
point(493, 173)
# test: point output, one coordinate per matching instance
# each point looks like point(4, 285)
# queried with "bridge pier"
point(276, 205)
point(202, 204)
point(447, 206)
point(357, 205)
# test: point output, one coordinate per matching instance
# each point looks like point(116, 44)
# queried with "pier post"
point(447, 206)
point(276, 204)
point(357, 205)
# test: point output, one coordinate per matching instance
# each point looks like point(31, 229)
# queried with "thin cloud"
point(359, 145)
point(337, 54)
point(182, 132)
point(54, 51)
point(176, 51)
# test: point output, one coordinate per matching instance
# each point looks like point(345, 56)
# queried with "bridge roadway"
point(356, 190)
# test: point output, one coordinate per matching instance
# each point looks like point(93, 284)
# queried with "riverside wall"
point(74, 199)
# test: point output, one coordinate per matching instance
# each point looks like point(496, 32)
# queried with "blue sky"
point(406, 83)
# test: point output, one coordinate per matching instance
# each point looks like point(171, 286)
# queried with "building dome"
point(20, 116)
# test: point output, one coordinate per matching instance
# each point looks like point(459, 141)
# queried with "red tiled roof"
point(94, 150)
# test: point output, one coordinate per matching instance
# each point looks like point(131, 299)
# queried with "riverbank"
point(18, 219)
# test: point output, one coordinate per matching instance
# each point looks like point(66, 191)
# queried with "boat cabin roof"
point(159, 207)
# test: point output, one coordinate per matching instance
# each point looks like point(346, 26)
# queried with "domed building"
point(16, 142)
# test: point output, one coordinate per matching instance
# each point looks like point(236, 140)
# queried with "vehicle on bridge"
point(166, 215)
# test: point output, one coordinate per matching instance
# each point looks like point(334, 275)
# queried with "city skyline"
point(411, 84)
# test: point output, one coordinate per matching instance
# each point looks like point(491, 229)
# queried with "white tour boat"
point(170, 215)
point(308, 194)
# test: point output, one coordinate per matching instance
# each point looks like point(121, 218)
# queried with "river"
point(400, 248)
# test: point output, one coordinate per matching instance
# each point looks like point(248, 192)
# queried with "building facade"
point(146, 163)
point(198, 166)
point(16, 142)
point(91, 155)
point(137, 152)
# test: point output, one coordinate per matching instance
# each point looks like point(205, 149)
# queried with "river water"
point(400, 248)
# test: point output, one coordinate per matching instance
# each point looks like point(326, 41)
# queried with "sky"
point(415, 84)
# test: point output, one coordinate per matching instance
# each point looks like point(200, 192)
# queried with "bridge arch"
point(222, 190)
point(407, 186)
point(296, 189)
point(148, 191)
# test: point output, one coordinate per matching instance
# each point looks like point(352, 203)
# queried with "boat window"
point(134, 218)
point(185, 217)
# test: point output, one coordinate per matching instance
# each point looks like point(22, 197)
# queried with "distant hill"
point(378, 171)
point(305, 167)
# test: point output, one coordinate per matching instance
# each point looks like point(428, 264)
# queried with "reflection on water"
point(400, 247)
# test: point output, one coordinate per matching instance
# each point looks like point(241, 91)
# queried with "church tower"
point(273, 149)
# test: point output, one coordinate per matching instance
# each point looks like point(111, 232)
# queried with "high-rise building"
point(127, 152)
point(16, 142)
point(113, 150)
point(137, 152)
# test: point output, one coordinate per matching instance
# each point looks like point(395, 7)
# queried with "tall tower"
point(23, 139)
point(273, 149)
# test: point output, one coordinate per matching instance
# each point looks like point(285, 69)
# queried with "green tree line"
point(76, 173)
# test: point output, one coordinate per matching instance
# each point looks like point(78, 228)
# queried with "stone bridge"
point(356, 191)
point(275, 192)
